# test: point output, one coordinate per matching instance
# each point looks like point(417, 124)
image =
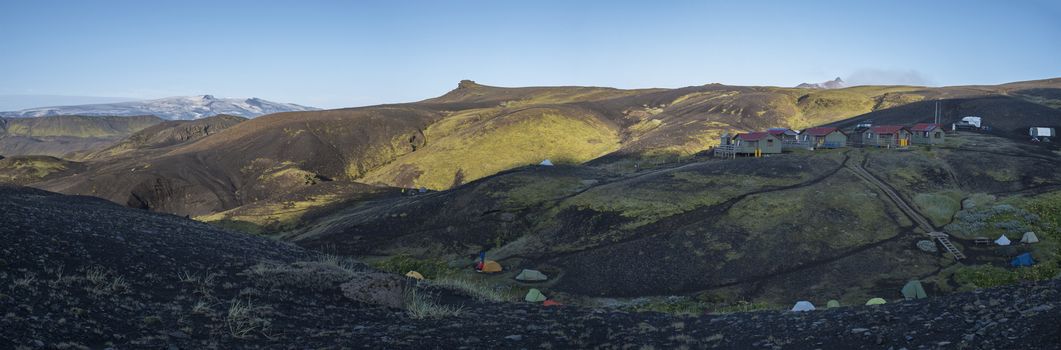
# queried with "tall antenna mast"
point(935, 117)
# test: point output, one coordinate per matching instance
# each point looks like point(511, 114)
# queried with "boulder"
point(927, 246)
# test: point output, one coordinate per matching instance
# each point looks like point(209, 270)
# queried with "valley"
point(632, 213)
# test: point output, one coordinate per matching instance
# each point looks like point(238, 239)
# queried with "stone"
point(927, 246)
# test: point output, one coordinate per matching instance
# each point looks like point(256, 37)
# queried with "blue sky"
point(352, 53)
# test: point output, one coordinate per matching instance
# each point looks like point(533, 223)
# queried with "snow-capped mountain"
point(832, 84)
point(173, 108)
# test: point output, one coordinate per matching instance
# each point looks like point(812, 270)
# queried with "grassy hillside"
point(476, 130)
point(21, 170)
point(481, 142)
point(168, 133)
point(716, 228)
point(78, 126)
point(60, 135)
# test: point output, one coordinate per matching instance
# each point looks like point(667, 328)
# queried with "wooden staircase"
point(944, 240)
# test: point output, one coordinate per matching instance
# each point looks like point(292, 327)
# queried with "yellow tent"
point(876, 301)
point(414, 274)
point(491, 267)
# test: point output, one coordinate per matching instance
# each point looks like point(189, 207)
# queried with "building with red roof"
point(886, 136)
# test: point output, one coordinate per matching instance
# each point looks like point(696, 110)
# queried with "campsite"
point(544, 174)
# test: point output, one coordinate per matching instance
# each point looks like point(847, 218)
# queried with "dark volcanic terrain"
point(79, 272)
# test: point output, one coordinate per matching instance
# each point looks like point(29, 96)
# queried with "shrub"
point(993, 276)
point(998, 219)
point(939, 208)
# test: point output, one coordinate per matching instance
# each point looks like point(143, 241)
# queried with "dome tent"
point(914, 290)
point(491, 266)
point(1023, 260)
point(546, 163)
point(531, 275)
point(1003, 240)
point(534, 296)
point(1029, 238)
point(414, 275)
point(876, 301)
point(803, 305)
point(832, 303)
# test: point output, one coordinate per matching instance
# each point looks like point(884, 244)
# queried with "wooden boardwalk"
point(906, 208)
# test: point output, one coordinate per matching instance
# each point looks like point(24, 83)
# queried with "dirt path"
point(906, 208)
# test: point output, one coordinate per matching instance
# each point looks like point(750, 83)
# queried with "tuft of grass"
point(476, 289)
point(341, 262)
point(103, 283)
point(201, 281)
point(240, 319)
point(420, 306)
point(25, 281)
point(201, 307)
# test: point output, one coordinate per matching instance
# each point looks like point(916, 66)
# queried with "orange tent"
point(551, 302)
point(491, 267)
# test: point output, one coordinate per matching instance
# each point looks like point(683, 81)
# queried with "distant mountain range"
point(832, 84)
point(172, 108)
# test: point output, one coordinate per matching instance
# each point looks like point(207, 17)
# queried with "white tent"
point(803, 305)
point(546, 163)
point(1002, 240)
point(531, 275)
point(1029, 238)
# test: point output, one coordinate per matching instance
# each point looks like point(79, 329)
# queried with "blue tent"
point(1023, 260)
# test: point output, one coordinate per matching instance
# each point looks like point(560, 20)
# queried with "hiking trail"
point(906, 208)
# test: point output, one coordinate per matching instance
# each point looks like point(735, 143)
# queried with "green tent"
point(876, 301)
point(913, 290)
point(832, 303)
point(534, 296)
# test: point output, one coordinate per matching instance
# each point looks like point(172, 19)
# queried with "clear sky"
point(352, 53)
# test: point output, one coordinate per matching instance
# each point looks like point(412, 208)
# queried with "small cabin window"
point(938, 135)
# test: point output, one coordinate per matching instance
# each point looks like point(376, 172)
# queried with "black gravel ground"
point(82, 273)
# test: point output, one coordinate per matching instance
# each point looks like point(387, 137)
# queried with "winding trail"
point(906, 208)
